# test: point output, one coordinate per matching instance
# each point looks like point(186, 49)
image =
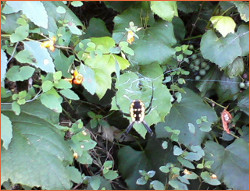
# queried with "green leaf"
point(191, 176)
point(96, 28)
point(63, 84)
point(236, 68)
point(103, 82)
point(151, 158)
point(36, 145)
point(119, 6)
point(243, 101)
point(108, 164)
point(85, 158)
point(54, 17)
point(98, 182)
point(164, 145)
point(183, 113)
point(20, 33)
point(178, 185)
point(111, 175)
point(227, 88)
point(57, 75)
point(141, 181)
point(76, 3)
point(155, 44)
point(185, 163)
point(234, 158)
point(188, 6)
point(177, 150)
point(38, 17)
point(243, 8)
point(17, 73)
point(103, 43)
point(41, 55)
point(6, 130)
point(4, 63)
point(25, 56)
point(157, 185)
point(47, 85)
point(243, 33)
point(52, 100)
point(207, 178)
point(74, 29)
point(164, 9)
point(69, 94)
point(179, 28)
point(103, 77)
point(108, 61)
point(139, 16)
point(16, 108)
point(191, 128)
point(223, 24)
point(63, 63)
point(221, 51)
point(10, 25)
point(128, 82)
point(61, 10)
point(74, 174)
point(164, 169)
point(89, 82)
point(95, 182)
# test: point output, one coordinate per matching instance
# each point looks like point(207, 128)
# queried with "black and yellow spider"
point(138, 113)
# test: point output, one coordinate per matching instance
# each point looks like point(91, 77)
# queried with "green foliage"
point(221, 51)
point(223, 24)
point(35, 144)
point(6, 130)
point(67, 89)
point(42, 58)
point(17, 73)
point(228, 160)
point(3, 65)
point(38, 17)
point(178, 119)
point(166, 10)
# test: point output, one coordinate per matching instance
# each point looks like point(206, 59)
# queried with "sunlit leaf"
point(165, 9)
point(223, 24)
point(41, 55)
point(38, 17)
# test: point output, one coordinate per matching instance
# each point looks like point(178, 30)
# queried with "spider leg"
point(127, 130)
point(148, 109)
point(129, 127)
point(147, 127)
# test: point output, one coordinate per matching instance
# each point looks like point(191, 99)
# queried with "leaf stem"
point(216, 103)
point(193, 37)
point(227, 10)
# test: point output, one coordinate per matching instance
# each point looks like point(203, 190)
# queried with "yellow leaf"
point(223, 24)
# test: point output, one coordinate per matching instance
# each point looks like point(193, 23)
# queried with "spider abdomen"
point(137, 111)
